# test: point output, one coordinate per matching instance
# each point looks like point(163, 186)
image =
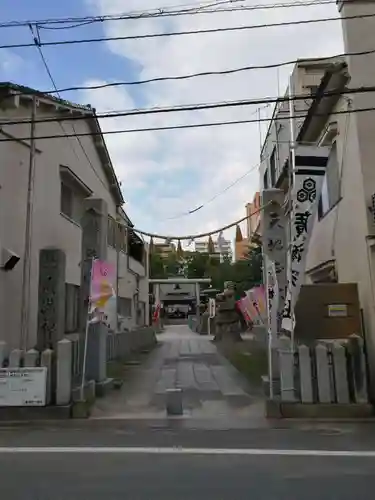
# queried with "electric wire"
point(183, 126)
point(189, 76)
point(193, 107)
point(227, 29)
point(77, 22)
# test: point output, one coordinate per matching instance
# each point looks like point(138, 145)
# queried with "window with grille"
point(111, 235)
point(125, 307)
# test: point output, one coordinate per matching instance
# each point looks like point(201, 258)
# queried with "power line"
point(217, 195)
point(223, 191)
point(60, 124)
point(189, 76)
point(194, 107)
point(58, 43)
point(77, 22)
point(183, 126)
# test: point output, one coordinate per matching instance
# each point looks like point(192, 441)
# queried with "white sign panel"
point(23, 386)
point(211, 308)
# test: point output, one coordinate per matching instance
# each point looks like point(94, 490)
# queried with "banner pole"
point(82, 392)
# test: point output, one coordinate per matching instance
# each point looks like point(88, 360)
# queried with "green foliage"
point(245, 273)
point(161, 267)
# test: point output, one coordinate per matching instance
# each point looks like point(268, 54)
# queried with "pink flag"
point(103, 277)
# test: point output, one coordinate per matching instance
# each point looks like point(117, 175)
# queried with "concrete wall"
point(49, 227)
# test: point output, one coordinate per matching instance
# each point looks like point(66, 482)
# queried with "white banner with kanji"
point(310, 168)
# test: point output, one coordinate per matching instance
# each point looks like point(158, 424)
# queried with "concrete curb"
point(328, 412)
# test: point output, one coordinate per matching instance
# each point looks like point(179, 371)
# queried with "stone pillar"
point(51, 298)
point(64, 372)
point(322, 375)
point(94, 246)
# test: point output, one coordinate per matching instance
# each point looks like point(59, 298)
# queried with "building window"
point(125, 307)
point(331, 184)
point(73, 191)
point(71, 308)
point(122, 237)
point(66, 200)
point(111, 232)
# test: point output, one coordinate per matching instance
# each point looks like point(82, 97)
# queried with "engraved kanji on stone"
point(275, 244)
point(279, 268)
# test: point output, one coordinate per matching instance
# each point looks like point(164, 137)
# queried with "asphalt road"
point(172, 464)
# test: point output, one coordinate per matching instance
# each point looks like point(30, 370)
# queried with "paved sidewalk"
point(212, 389)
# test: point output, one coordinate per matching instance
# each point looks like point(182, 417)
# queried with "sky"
point(164, 174)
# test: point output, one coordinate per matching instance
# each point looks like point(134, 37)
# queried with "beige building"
point(342, 246)
point(164, 249)
point(241, 248)
point(73, 182)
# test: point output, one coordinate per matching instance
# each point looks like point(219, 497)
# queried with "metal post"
point(118, 235)
point(198, 299)
point(83, 380)
point(28, 234)
point(292, 163)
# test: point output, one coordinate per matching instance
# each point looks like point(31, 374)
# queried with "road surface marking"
point(190, 451)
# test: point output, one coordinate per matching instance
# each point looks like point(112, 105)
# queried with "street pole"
point(292, 163)
point(26, 271)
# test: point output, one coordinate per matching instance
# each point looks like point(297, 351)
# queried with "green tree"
point(248, 272)
point(164, 267)
point(195, 264)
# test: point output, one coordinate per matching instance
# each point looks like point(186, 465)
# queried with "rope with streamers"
point(194, 236)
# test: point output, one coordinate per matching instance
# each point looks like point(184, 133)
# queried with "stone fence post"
point(64, 372)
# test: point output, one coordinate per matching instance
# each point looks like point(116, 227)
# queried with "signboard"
point(337, 311)
point(23, 386)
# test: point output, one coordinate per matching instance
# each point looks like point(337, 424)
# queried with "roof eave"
point(334, 80)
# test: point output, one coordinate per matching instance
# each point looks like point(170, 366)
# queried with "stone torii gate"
point(180, 281)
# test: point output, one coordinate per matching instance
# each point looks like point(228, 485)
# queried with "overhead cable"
point(183, 126)
point(189, 76)
point(191, 107)
point(58, 43)
point(76, 22)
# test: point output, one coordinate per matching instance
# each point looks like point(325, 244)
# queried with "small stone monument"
point(227, 315)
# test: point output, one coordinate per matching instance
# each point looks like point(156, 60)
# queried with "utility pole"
point(26, 271)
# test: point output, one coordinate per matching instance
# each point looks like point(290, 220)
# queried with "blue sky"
point(167, 173)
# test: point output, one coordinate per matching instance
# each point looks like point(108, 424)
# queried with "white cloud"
point(179, 170)
point(10, 63)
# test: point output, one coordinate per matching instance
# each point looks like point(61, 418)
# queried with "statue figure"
point(227, 315)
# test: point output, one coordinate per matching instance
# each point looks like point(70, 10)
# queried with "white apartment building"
point(76, 200)
point(224, 247)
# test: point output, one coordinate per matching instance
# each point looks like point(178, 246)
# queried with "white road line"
point(189, 451)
